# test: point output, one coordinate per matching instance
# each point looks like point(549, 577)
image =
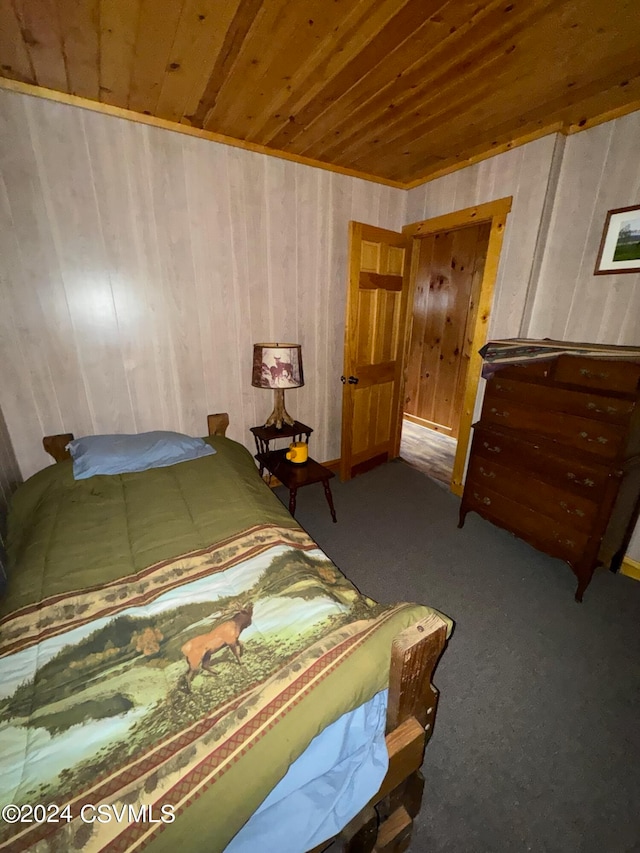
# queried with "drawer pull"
point(498, 414)
point(494, 449)
point(489, 474)
point(600, 439)
point(610, 410)
point(585, 482)
point(590, 374)
point(562, 541)
point(486, 501)
point(566, 507)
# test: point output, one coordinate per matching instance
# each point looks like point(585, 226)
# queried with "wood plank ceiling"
point(400, 90)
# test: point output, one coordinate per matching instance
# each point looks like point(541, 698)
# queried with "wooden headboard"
point(56, 445)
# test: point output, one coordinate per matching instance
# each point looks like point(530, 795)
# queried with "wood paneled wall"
point(139, 266)
point(600, 171)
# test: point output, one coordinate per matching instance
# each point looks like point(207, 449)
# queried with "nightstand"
point(265, 435)
point(291, 474)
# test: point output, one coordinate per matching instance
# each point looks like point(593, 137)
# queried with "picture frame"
point(619, 250)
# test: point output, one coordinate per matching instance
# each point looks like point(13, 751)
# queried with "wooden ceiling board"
point(80, 31)
point(395, 90)
point(14, 56)
point(197, 45)
point(40, 30)
point(118, 33)
point(154, 40)
point(243, 18)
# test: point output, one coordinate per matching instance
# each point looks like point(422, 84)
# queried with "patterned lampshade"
point(277, 366)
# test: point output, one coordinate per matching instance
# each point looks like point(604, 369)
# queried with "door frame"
point(496, 213)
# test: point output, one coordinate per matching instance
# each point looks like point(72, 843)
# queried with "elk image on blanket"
point(198, 651)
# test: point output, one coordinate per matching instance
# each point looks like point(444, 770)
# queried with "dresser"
point(555, 458)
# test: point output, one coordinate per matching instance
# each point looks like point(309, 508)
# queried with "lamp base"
point(279, 415)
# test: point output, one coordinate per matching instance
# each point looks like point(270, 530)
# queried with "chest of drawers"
point(555, 458)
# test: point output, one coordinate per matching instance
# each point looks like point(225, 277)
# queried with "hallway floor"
point(427, 450)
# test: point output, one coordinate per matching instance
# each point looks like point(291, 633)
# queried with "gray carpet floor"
point(537, 741)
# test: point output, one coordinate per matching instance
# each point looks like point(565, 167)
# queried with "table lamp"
point(277, 366)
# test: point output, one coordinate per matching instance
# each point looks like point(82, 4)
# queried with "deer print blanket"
point(179, 693)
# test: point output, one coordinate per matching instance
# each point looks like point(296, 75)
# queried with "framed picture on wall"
point(620, 245)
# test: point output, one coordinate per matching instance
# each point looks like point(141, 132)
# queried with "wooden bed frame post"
point(414, 655)
point(217, 424)
point(411, 711)
point(56, 445)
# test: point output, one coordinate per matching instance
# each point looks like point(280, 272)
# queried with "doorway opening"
point(447, 282)
point(429, 264)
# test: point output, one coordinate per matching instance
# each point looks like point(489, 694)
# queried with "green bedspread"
point(66, 534)
point(170, 642)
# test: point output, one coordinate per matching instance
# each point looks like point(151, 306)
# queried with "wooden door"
point(449, 273)
point(375, 344)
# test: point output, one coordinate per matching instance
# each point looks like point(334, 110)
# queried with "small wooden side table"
point(265, 435)
point(295, 476)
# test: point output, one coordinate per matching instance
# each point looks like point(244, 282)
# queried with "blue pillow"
point(121, 454)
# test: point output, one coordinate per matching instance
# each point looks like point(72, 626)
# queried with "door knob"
point(343, 379)
point(353, 380)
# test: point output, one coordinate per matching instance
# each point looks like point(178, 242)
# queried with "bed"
point(173, 646)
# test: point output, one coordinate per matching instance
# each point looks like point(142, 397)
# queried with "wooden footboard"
point(385, 824)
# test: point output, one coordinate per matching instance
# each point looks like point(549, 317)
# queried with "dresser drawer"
point(615, 410)
point(534, 370)
point(538, 529)
point(605, 374)
point(528, 489)
point(587, 436)
point(542, 458)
